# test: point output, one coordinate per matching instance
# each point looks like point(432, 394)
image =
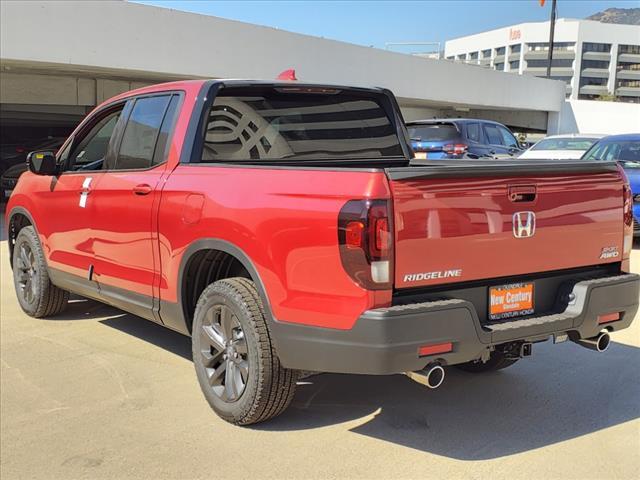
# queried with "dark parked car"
point(626, 150)
point(15, 163)
point(462, 138)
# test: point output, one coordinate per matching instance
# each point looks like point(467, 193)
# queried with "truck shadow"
point(560, 393)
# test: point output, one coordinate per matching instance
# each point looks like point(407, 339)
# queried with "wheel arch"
point(18, 218)
point(215, 244)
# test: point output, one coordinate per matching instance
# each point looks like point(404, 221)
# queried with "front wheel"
point(37, 296)
point(234, 356)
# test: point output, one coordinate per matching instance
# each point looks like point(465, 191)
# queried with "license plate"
point(512, 300)
point(421, 155)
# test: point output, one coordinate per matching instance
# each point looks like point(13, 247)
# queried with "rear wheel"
point(497, 361)
point(37, 296)
point(235, 360)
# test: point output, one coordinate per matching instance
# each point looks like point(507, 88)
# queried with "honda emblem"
point(524, 224)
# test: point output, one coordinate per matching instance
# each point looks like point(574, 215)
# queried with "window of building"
point(450, 58)
point(515, 48)
point(628, 66)
point(628, 83)
point(556, 62)
point(592, 81)
point(557, 46)
point(486, 53)
point(500, 51)
point(596, 47)
point(473, 55)
point(634, 49)
point(515, 65)
point(564, 79)
point(595, 64)
point(499, 66)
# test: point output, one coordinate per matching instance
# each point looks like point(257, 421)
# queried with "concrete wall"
point(588, 116)
point(136, 42)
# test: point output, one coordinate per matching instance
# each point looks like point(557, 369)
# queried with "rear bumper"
point(386, 340)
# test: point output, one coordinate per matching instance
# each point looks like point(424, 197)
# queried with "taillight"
point(627, 218)
point(366, 242)
point(455, 148)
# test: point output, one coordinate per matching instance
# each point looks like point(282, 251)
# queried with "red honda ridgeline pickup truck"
point(286, 228)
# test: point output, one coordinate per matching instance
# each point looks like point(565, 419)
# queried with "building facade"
point(595, 60)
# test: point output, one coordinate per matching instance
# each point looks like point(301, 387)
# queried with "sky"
point(374, 23)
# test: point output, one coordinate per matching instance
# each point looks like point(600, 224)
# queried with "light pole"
point(552, 28)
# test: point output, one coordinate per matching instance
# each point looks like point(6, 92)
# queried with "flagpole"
point(552, 27)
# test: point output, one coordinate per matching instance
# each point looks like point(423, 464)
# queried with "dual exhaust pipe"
point(599, 343)
point(432, 376)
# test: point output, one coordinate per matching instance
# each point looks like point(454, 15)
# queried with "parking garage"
point(45, 92)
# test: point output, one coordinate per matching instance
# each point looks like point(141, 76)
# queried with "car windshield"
point(566, 143)
point(626, 152)
point(435, 132)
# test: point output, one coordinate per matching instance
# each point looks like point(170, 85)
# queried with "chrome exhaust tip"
point(599, 343)
point(432, 376)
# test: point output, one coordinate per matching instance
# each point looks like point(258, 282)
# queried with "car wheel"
point(497, 361)
point(37, 296)
point(234, 357)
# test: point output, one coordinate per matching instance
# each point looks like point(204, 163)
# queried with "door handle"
point(142, 189)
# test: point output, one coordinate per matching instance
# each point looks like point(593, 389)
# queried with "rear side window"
point(493, 135)
point(287, 124)
point(434, 132)
point(141, 133)
point(473, 131)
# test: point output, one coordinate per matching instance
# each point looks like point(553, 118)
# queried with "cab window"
point(493, 135)
point(90, 150)
point(141, 133)
point(507, 138)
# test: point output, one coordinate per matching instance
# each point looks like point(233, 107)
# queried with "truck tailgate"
point(464, 221)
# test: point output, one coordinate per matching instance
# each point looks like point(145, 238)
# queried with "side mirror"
point(42, 163)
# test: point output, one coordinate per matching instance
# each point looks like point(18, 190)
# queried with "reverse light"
point(627, 220)
point(455, 148)
point(366, 243)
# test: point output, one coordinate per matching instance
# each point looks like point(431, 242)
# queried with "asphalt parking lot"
point(97, 393)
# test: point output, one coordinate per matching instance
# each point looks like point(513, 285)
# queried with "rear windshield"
point(625, 152)
point(300, 124)
point(436, 132)
point(564, 144)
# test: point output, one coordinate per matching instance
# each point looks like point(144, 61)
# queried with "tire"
point(497, 361)
point(235, 360)
point(37, 296)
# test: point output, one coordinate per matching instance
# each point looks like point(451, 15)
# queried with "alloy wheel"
point(27, 273)
point(224, 353)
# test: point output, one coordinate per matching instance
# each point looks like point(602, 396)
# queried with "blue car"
point(462, 138)
point(626, 150)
